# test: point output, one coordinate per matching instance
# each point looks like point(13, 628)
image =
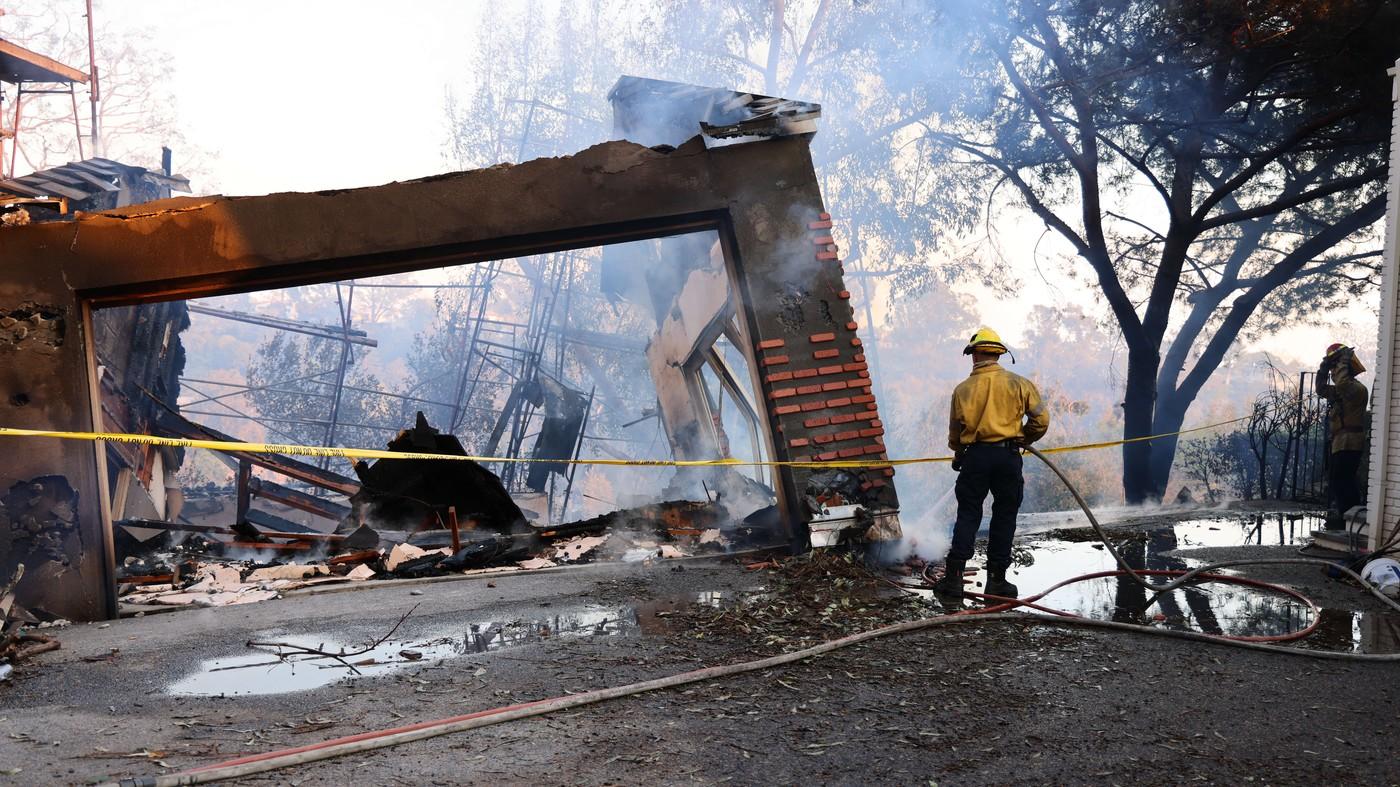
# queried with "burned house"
point(731, 164)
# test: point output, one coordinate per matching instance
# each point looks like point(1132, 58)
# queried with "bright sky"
point(310, 94)
point(299, 95)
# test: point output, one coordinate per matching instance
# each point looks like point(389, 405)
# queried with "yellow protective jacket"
point(993, 405)
point(1346, 415)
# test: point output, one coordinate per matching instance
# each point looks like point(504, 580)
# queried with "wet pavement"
point(1212, 608)
point(1005, 703)
point(272, 665)
point(281, 666)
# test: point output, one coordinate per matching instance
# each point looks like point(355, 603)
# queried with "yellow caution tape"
point(371, 453)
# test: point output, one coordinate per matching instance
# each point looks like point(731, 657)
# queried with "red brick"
point(826, 255)
point(855, 342)
point(800, 442)
point(875, 432)
point(824, 438)
point(838, 402)
point(850, 326)
point(859, 358)
point(867, 416)
point(802, 374)
point(873, 449)
point(779, 377)
point(826, 457)
point(854, 367)
point(819, 225)
point(822, 355)
point(851, 435)
point(809, 389)
point(863, 375)
point(823, 240)
point(844, 418)
point(818, 338)
point(872, 406)
point(836, 386)
point(787, 409)
point(783, 393)
point(847, 453)
point(889, 472)
point(775, 360)
point(824, 216)
point(877, 423)
point(879, 482)
point(771, 344)
point(812, 406)
point(844, 295)
point(813, 423)
point(830, 369)
point(862, 399)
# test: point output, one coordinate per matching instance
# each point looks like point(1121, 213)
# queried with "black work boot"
point(951, 584)
point(997, 584)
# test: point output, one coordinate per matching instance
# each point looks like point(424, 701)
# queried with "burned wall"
point(761, 197)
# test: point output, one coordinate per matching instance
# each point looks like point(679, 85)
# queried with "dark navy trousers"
point(994, 468)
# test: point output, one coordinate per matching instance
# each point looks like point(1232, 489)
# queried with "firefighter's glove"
point(957, 463)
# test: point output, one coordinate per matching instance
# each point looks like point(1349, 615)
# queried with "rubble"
point(417, 493)
point(199, 571)
point(18, 640)
point(410, 519)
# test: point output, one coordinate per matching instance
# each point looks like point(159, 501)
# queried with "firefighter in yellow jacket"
point(994, 412)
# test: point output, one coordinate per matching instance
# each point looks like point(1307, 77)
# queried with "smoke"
point(928, 529)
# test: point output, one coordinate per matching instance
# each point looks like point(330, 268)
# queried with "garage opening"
point(627, 353)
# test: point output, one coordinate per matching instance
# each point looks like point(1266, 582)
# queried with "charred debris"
point(413, 518)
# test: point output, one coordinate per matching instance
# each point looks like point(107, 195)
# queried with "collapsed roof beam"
point(296, 326)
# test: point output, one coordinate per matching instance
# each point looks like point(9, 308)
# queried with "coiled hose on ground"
point(336, 747)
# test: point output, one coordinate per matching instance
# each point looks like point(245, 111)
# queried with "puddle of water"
point(263, 672)
point(1253, 529)
point(1211, 608)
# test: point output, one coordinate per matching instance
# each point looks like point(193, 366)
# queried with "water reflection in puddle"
point(265, 672)
point(1211, 608)
point(1254, 529)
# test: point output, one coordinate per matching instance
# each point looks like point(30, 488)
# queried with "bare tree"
point(1259, 129)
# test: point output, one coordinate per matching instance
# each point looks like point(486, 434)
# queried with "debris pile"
point(181, 576)
point(413, 518)
point(418, 493)
point(18, 638)
point(808, 599)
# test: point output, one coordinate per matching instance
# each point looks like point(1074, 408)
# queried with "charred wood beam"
point(177, 426)
point(186, 527)
point(295, 326)
point(301, 501)
point(274, 525)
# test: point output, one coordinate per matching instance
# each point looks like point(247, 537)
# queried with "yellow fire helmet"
point(985, 340)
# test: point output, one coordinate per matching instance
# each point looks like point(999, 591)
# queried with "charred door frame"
point(410, 261)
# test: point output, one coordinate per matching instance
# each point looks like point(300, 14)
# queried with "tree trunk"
point(1169, 417)
point(1139, 402)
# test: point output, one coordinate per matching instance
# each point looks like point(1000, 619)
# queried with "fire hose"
point(367, 741)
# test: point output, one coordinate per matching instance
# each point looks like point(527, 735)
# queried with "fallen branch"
point(289, 648)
